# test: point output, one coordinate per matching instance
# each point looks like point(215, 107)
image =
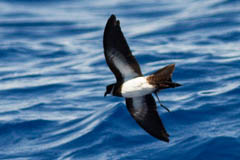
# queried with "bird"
point(131, 84)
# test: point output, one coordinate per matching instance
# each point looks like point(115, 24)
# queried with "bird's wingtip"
point(112, 16)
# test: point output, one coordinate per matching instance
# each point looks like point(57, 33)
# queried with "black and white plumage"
point(131, 84)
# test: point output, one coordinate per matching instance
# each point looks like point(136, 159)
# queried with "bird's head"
point(109, 89)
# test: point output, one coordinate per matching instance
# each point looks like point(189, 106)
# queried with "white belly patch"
point(136, 87)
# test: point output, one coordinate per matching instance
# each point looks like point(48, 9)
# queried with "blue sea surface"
point(53, 76)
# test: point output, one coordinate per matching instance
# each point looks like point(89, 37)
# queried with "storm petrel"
point(131, 84)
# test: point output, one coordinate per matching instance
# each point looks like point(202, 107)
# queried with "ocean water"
point(53, 76)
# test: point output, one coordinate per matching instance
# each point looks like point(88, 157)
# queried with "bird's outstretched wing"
point(117, 52)
point(144, 111)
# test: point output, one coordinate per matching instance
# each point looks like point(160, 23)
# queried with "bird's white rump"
point(136, 87)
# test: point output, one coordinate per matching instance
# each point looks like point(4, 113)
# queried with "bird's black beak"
point(105, 94)
point(108, 89)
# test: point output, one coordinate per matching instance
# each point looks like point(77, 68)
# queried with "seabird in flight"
point(131, 84)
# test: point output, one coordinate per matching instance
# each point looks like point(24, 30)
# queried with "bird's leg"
point(161, 103)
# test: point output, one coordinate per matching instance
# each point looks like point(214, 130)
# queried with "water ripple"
point(53, 76)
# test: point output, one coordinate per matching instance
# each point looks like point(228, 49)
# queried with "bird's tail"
point(163, 78)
